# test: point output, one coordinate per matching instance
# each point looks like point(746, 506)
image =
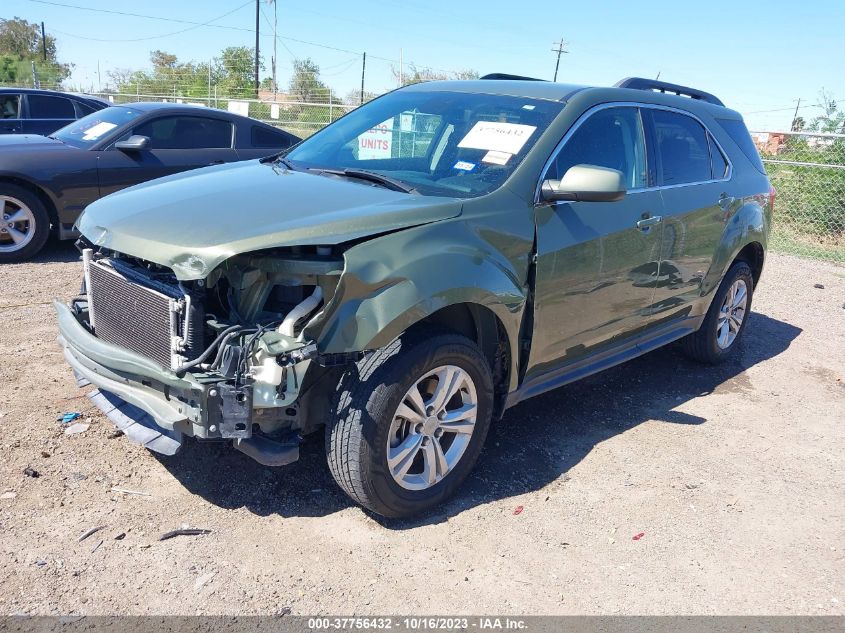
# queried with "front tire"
point(24, 224)
point(718, 337)
point(410, 423)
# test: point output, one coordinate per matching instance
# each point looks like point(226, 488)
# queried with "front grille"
point(135, 311)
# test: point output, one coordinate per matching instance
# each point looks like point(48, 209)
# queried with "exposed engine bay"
point(239, 333)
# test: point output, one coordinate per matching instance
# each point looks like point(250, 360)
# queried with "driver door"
point(597, 262)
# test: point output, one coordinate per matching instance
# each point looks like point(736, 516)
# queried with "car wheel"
point(24, 224)
point(720, 333)
point(411, 420)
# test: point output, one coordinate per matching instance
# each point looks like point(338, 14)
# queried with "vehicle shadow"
point(536, 442)
point(55, 251)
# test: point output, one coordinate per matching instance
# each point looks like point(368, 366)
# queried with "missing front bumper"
point(157, 409)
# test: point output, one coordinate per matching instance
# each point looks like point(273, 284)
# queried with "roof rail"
point(512, 77)
point(639, 83)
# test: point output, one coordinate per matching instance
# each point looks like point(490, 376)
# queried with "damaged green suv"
point(408, 273)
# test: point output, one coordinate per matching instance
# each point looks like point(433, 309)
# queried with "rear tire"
point(24, 224)
point(719, 335)
point(387, 447)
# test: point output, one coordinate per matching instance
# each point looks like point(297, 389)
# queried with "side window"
point(186, 132)
point(739, 133)
point(262, 137)
point(83, 109)
point(613, 138)
point(10, 106)
point(48, 107)
point(718, 164)
point(683, 155)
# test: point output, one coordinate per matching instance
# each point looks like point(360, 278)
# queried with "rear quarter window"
point(739, 134)
point(263, 138)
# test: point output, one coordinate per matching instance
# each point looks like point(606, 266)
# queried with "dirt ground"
point(734, 475)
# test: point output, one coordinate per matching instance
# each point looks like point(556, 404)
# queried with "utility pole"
point(43, 42)
point(257, 26)
point(561, 45)
point(795, 116)
point(275, 45)
point(363, 70)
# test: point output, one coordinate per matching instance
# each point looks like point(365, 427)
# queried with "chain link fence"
point(808, 171)
point(806, 168)
point(297, 117)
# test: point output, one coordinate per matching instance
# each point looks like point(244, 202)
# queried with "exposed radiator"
point(133, 310)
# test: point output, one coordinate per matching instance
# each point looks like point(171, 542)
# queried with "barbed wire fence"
point(807, 170)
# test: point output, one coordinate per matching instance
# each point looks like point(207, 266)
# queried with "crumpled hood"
point(192, 222)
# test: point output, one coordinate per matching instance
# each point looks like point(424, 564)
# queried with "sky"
point(759, 57)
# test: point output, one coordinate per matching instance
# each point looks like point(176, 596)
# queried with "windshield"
point(92, 128)
point(438, 143)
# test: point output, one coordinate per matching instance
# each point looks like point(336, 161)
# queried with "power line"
point(196, 25)
point(203, 24)
point(789, 109)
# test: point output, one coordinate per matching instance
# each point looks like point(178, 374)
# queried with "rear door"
point(692, 173)
point(177, 143)
point(45, 114)
point(11, 105)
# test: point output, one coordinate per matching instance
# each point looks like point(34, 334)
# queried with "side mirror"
point(134, 143)
point(586, 183)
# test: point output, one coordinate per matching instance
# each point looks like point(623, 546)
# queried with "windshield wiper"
point(371, 176)
point(284, 161)
point(279, 159)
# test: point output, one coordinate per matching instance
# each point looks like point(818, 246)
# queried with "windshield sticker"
point(528, 107)
point(464, 165)
point(96, 131)
point(497, 158)
point(377, 142)
point(500, 137)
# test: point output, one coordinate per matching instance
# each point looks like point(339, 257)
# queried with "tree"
point(305, 85)
point(161, 60)
point(416, 75)
point(832, 119)
point(231, 74)
point(353, 97)
point(236, 67)
point(20, 47)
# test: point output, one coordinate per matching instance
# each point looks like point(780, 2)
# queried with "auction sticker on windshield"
point(96, 131)
point(500, 137)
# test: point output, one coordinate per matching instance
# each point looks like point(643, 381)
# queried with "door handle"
point(647, 223)
point(217, 162)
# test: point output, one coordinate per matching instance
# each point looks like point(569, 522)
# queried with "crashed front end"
point(224, 357)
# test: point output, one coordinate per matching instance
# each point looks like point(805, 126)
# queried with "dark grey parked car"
point(34, 111)
point(47, 181)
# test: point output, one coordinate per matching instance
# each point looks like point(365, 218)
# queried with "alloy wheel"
point(731, 314)
point(432, 427)
point(17, 224)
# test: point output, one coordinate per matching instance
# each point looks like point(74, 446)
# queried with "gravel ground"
point(734, 475)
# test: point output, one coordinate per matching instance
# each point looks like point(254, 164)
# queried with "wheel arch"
point(482, 326)
point(752, 254)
